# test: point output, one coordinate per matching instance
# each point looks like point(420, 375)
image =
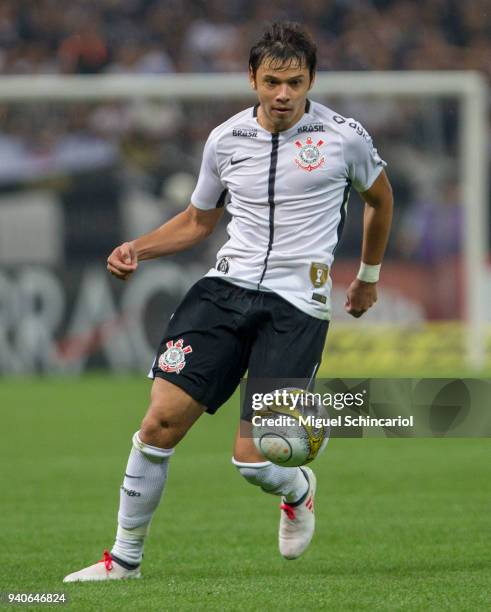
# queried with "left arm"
point(376, 226)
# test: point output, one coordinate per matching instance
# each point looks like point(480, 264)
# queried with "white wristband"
point(368, 273)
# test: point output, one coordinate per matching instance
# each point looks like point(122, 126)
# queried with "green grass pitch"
point(403, 524)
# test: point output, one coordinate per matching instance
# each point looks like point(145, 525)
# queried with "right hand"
point(123, 261)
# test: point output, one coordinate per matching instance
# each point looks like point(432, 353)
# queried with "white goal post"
point(470, 88)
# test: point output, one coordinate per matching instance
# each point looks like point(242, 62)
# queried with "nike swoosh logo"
point(130, 476)
point(238, 161)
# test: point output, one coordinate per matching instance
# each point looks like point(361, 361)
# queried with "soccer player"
point(284, 169)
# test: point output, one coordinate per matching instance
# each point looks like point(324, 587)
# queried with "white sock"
point(290, 482)
point(142, 488)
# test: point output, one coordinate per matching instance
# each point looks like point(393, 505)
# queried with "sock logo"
point(130, 492)
point(174, 358)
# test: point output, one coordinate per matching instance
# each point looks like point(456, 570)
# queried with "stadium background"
point(78, 178)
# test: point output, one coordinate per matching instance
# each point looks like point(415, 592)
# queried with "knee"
point(170, 414)
point(152, 425)
point(155, 434)
point(158, 430)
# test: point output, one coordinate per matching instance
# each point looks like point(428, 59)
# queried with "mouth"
point(280, 110)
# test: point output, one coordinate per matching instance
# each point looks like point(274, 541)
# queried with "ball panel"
point(275, 447)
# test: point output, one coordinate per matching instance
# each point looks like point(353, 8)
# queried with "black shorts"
point(220, 331)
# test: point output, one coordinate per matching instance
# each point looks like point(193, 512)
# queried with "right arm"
point(179, 233)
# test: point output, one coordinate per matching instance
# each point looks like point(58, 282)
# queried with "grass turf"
point(403, 524)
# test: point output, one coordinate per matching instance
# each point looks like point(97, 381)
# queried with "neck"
point(277, 126)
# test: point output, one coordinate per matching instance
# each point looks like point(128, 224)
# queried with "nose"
point(283, 93)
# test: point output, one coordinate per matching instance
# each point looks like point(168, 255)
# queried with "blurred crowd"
point(158, 36)
point(142, 158)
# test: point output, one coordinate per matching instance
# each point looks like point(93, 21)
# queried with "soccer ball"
point(292, 429)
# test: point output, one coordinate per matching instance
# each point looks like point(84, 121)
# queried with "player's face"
point(282, 94)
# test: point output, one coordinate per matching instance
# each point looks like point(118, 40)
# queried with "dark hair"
point(284, 42)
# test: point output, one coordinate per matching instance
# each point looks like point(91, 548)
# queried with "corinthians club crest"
point(174, 358)
point(309, 156)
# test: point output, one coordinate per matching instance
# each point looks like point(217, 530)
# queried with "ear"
point(252, 79)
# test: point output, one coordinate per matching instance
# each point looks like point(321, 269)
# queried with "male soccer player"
point(284, 170)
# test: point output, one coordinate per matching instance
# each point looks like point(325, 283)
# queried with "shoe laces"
point(107, 560)
point(289, 510)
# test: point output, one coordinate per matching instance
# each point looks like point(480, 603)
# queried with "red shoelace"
point(290, 511)
point(107, 560)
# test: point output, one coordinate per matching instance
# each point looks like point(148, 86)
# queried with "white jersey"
point(287, 194)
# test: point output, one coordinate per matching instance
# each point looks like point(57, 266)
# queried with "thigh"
point(289, 343)
point(204, 351)
point(287, 351)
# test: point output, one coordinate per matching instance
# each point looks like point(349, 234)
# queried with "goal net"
point(86, 162)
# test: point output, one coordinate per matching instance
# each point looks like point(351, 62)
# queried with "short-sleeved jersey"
point(287, 194)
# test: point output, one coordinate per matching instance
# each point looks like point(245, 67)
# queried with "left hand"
point(360, 297)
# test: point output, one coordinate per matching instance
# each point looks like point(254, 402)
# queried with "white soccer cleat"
point(106, 569)
point(297, 522)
